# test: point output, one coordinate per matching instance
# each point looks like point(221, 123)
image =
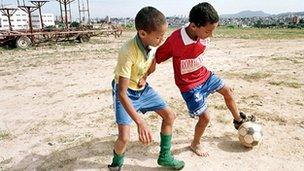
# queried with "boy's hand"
point(142, 82)
point(144, 133)
point(244, 119)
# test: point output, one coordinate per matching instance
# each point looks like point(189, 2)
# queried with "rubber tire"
point(23, 42)
point(83, 38)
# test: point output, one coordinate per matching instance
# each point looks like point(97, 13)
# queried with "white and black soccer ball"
point(250, 134)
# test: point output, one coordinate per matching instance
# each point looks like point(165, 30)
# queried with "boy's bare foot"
point(197, 149)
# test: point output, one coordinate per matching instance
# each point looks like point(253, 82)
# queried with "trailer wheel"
point(83, 38)
point(117, 33)
point(23, 42)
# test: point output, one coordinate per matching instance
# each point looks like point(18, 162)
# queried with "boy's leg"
point(230, 103)
point(200, 127)
point(165, 157)
point(168, 119)
point(120, 147)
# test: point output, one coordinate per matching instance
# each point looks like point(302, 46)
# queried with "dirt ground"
point(56, 107)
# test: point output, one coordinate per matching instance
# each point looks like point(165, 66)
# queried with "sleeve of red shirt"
point(164, 52)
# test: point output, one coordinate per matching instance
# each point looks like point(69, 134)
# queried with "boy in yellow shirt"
point(131, 93)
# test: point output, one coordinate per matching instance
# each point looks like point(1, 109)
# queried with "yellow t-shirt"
point(133, 62)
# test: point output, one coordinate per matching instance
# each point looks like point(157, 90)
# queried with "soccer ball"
point(250, 134)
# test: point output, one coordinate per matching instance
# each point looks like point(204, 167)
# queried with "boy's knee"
point(227, 92)
point(169, 117)
point(124, 140)
point(204, 119)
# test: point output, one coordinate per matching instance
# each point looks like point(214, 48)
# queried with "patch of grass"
point(280, 58)
point(153, 116)
point(299, 104)
point(6, 73)
point(52, 94)
point(94, 92)
point(71, 138)
point(248, 76)
point(11, 88)
point(153, 128)
point(256, 76)
point(36, 128)
point(4, 135)
point(70, 85)
point(259, 33)
point(67, 43)
point(219, 107)
point(63, 122)
point(6, 161)
point(33, 65)
point(223, 119)
point(180, 131)
point(178, 106)
point(66, 139)
point(66, 162)
point(254, 96)
point(286, 84)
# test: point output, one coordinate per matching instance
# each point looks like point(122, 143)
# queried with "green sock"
point(117, 160)
point(165, 157)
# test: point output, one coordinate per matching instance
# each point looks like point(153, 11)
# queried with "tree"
point(75, 24)
point(258, 24)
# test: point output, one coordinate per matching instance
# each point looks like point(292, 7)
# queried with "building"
point(19, 21)
point(47, 18)
point(295, 20)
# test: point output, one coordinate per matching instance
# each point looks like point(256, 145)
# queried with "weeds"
point(286, 84)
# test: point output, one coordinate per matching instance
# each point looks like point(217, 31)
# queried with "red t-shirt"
point(187, 56)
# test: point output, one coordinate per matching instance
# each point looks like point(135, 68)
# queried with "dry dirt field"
point(56, 107)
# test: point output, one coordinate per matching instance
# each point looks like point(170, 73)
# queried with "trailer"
point(23, 39)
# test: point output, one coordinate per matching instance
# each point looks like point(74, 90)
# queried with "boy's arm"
point(165, 51)
point(144, 133)
point(142, 81)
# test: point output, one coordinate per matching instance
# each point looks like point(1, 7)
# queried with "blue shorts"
point(196, 98)
point(143, 100)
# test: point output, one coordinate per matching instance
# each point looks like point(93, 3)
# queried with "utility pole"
point(80, 19)
point(60, 5)
point(84, 11)
point(65, 4)
point(29, 10)
point(39, 4)
point(89, 16)
point(8, 12)
point(18, 3)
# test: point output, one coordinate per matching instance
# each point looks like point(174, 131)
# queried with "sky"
point(129, 8)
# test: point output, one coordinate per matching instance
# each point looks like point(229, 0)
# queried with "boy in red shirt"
point(186, 46)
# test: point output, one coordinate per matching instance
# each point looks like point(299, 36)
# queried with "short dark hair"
point(202, 14)
point(149, 19)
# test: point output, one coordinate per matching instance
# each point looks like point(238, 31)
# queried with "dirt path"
point(55, 108)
